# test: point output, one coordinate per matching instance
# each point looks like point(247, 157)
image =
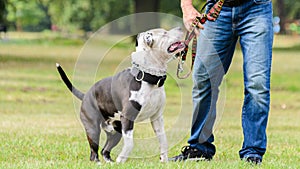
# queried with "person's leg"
point(215, 49)
point(256, 38)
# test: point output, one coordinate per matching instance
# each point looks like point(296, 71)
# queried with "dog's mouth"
point(176, 47)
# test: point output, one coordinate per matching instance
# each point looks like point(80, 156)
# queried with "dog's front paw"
point(98, 163)
point(163, 158)
point(121, 159)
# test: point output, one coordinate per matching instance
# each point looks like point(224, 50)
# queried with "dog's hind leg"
point(113, 138)
point(92, 127)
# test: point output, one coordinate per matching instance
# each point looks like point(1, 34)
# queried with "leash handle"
point(211, 15)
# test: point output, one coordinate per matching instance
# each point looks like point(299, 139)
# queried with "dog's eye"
point(148, 38)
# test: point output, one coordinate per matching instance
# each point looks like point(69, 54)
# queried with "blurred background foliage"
point(89, 15)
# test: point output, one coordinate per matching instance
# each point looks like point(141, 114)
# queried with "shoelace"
point(185, 149)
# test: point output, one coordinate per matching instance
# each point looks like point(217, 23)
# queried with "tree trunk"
point(45, 8)
point(3, 11)
point(282, 15)
point(147, 21)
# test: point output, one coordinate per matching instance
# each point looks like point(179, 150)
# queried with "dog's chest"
point(151, 98)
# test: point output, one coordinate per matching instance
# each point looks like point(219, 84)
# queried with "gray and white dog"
point(136, 94)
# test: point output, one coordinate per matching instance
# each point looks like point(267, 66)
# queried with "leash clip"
point(180, 66)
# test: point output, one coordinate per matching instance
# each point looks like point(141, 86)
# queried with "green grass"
point(40, 127)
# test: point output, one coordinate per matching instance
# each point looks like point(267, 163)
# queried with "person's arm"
point(189, 14)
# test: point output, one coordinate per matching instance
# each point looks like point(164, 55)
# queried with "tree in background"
point(146, 6)
point(114, 10)
point(44, 6)
point(288, 11)
point(3, 11)
point(27, 15)
point(280, 9)
point(89, 15)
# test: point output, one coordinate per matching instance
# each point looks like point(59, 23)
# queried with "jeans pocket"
point(262, 1)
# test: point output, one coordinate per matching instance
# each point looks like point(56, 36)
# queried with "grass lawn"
point(40, 126)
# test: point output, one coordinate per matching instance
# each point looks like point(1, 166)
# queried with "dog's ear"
point(137, 40)
point(148, 38)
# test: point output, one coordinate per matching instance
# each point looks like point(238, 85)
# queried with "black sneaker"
point(191, 154)
point(254, 160)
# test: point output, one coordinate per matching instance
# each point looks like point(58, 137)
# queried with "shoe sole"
point(196, 159)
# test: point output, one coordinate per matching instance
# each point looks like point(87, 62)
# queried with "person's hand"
point(189, 15)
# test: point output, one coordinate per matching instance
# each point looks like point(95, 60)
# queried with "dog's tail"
point(66, 80)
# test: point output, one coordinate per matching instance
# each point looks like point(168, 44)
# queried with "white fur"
point(108, 127)
point(151, 98)
point(151, 56)
point(128, 146)
point(158, 127)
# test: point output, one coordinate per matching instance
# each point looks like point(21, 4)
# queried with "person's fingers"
point(189, 16)
point(200, 26)
point(189, 19)
point(197, 32)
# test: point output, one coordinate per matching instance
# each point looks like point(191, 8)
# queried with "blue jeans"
point(251, 24)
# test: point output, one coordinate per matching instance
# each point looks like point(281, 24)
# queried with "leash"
point(211, 15)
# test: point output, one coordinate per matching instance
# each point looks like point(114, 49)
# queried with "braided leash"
point(212, 15)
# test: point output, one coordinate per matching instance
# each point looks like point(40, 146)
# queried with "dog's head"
point(167, 43)
point(157, 46)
